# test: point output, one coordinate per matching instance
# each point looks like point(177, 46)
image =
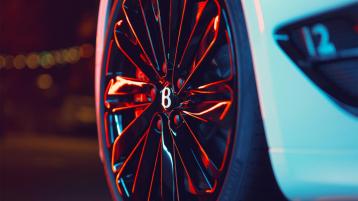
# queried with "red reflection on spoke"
point(192, 188)
point(124, 132)
point(212, 84)
point(154, 169)
point(180, 28)
point(123, 85)
point(199, 115)
point(204, 156)
point(148, 32)
point(213, 25)
point(130, 106)
point(127, 159)
point(137, 39)
point(141, 156)
point(201, 7)
point(109, 58)
point(106, 129)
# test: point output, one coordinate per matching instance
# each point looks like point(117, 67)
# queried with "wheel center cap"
point(167, 98)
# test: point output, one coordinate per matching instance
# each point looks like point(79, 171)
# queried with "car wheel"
point(177, 107)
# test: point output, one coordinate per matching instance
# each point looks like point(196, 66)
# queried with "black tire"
point(249, 176)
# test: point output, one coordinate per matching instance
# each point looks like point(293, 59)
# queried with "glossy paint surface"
point(313, 142)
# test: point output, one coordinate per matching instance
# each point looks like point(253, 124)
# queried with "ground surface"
point(51, 168)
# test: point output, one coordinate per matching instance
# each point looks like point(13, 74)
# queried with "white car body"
point(313, 143)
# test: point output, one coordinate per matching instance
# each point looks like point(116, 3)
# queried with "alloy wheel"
point(170, 98)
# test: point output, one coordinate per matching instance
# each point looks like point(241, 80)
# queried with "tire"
point(246, 173)
point(250, 176)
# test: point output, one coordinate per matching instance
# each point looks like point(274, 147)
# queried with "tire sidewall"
point(248, 109)
point(100, 75)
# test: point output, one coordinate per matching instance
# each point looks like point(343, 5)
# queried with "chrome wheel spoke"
point(153, 22)
point(124, 93)
point(132, 169)
point(207, 68)
point(147, 166)
point(168, 185)
point(129, 138)
point(195, 34)
point(209, 103)
point(198, 167)
point(131, 45)
point(207, 116)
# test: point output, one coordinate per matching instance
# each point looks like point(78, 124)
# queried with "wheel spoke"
point(124, 93)
point(181, 21)
point(189, 38)
point(205, 45)
point(168, 176)
point(216, 68)
point(206, 114)
point(207, 41)
point(144, 176)
point(125, 86)
point(128, 170)
point(209, 103)
point(125, 176)
point(153, 23)
point(129, 44)
point(164, 11)
point(197, 165)
point(131, 135)
point(149, 35)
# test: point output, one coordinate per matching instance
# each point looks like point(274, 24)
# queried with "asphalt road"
point(51, 169)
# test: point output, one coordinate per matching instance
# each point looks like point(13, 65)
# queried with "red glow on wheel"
point(172, 51)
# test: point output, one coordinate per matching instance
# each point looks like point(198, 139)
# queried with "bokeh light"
point(19, 61)
point(47, 113)
point(44, 81)
point(32, 61)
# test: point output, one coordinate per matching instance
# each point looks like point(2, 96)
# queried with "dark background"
point(48, 137)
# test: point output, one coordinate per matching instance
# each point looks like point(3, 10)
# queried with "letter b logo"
point(166, 101)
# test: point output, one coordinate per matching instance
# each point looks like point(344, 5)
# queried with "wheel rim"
point(169, 99)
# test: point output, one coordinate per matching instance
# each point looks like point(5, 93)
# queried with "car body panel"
point(313, 142)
